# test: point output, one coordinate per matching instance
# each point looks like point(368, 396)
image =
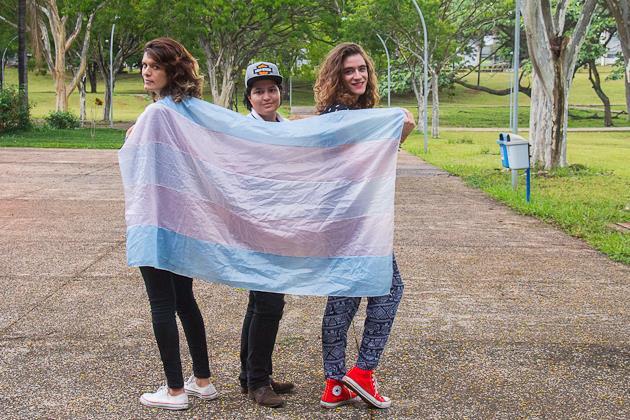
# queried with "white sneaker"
point(162, 399)
point(208, 392)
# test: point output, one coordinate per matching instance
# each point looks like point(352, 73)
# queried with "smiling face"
point(354, 74)
point(265, 99)
point(154, 75)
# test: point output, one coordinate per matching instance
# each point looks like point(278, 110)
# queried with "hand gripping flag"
point(302, 207)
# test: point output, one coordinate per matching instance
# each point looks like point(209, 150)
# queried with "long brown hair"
point(329, 87)
point(181, 68)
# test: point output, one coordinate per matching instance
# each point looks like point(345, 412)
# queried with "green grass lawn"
point(583, 200)
point(83, 138)
point(460, 107)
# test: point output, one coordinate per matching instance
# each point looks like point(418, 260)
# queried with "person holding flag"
point(347, 81)
point(263, 92)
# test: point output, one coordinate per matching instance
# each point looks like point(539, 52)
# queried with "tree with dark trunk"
point(91, 70)
point(126, 45)
point(602, 27)
point(620, 10)
point(593, 76)
point(22, 58)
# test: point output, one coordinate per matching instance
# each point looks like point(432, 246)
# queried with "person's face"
point(355, 74)
point(265, 98)
point(153, 74)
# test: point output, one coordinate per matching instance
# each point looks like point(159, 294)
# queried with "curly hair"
point(182, 69)
point(329, 87)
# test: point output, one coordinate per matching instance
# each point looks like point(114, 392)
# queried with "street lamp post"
point(389, 80)
point(4, 53)
point(425, 94)
point(517, 46)
point(514, 107)
point(111, 75)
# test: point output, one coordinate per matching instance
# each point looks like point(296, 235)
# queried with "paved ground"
point(503, 316)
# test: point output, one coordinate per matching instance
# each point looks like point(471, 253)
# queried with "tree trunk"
point(222, 69)
point(34, 35)
point(82, 102)
point(92, 76)
point(61, 99)
point(620, 10)
point(435, 102)
point(593, 76)
point(553, 53)
point(107, 106)
point(417, 90)
point(22, 58)
point(481, 42)
point(548, 135)
point(62, 45)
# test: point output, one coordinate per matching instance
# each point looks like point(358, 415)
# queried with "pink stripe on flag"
point(206, 221)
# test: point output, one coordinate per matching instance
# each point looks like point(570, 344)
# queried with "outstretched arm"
point(408, 126)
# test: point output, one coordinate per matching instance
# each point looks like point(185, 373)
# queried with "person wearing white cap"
point(263, 84)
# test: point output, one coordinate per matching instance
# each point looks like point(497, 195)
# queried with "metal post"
point(290, 93)
point(528, 191)
point(517, 46)
point(2, 63)
point(426, 75)
point(514, 178)
point(511, 120)
point(389, 80)
point(111, 77)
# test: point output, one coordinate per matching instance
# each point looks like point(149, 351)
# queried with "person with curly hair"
point(168, 69)
point(347, 81)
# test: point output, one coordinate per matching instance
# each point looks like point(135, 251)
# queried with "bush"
point(62, 119)
point(12, 115)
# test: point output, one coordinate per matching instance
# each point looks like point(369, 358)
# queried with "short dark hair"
point(248, 92)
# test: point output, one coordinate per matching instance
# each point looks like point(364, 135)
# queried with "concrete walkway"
point(503, 316)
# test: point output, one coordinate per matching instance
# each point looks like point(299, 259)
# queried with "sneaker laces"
point(375, 385)
point(162, 388)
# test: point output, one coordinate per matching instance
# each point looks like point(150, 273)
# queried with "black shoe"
point(278, 387)
point(266, 397)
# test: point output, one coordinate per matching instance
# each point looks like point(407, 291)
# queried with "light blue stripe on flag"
point(330, 130)
point(337, 276)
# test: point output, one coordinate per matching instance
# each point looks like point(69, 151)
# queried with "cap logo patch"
point(262, 70)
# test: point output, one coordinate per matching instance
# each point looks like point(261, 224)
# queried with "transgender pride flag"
point(302, 207)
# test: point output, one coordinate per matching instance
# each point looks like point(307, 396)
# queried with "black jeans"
point(169, 293)
point(258, 338)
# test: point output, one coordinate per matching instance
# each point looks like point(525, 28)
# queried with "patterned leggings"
point(339, 313)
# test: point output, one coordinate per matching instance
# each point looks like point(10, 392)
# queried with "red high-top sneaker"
point(363, 383)
point(336, 394)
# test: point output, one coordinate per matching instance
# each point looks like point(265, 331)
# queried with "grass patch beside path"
point(81, 138)
point(583, 200)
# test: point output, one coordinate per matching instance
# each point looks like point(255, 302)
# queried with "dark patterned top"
point(335, 108)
